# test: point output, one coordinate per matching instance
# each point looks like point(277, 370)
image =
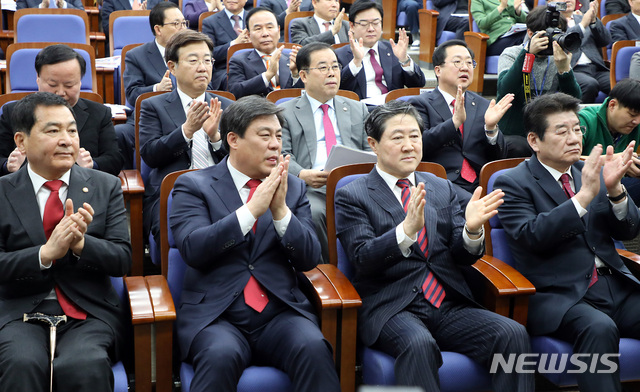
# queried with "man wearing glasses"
point(145, 69)
point(179, 130)
point(616, 123)
point(371, 67)
point(315, 122)
point(560, 215)
point(460, 127)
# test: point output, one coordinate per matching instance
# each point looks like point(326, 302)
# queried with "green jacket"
point(510, 81)
point(490, 21)
point(594, 118)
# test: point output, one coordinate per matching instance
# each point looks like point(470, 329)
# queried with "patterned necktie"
point(53, 213)
point(327, 25)
point(266, 58)
point(329, 133)
point(199, 149)
point(255, 296)
point(236, 24)
point(566, 187)
point(432, 289)
point(467, 171)
point(377, 69)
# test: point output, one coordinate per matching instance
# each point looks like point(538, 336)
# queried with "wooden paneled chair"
point(503, 291)
point(326, 287)
point(287, 22)
point(128, 27)
point(621, 53)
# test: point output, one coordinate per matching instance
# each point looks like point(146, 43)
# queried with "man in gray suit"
point(588, 65)
point(326, 25)
point(306, 137)
point(627, 27)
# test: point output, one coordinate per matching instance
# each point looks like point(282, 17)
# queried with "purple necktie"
point(378, 71)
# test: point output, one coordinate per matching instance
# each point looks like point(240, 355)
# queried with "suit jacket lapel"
point(343, 119)
point(635, 26)
point(313, 26)
point(343, 35)
point(430, 213)
point(381, 194)
point(173, 106)
point(81, 113)
point(304, 115)
point(156, 60)
point(81, 188)
point(24, 203)
point(470, 108)
point(546, 181)
point(225, 24)
point(222, 185)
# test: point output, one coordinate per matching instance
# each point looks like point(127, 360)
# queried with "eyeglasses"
point(577, 130)
point(194, 62)
point(324, 69)
point(458, 63)
point(367, 23)
point(176, 24)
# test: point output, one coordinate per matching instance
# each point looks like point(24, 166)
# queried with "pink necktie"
point(329, 133)
point(566, 187)
point(467, 171)
point(255, 296)
point(236, 24)
point(378, 71)
point(327, 25)
point(53, 213)
point(432, 289)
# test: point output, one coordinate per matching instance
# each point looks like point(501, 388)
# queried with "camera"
point(569, 42)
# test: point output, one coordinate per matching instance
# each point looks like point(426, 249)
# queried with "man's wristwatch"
point(406, 62)
point(491, 132)
point(621, 196)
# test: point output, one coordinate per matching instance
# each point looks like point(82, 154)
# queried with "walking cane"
point(53, 322)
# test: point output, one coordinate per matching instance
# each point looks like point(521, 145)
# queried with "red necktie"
point(566, 187)
point(236, 24)
point(467, 171)
point(53, 213)
point(254, 294)
point(432, 289)
point(329, 133)
point(377, 69)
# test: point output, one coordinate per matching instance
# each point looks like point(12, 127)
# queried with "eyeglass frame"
point(473, 62)
point(374, 22)
point(184, 23)
point(198, 62)
point(326, 72)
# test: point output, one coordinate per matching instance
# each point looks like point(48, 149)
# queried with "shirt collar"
point(161, 50)
point(554, 173)
point(230, 14)
point(239, 179)
point(447, 97)
point(315, 104)
point(392, 180)
point(320, 21)
point(38, 181)
point(185, 99)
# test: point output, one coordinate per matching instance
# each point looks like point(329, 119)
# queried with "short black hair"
point(440, 54)
point(254, 11)
point(627, 93)
point(537, 111)
point(183, 38)
point(537, 20)
point(363, 5)
point(59, 53)
point(156, 17)
point(23, 116)
point(376, 121)
point(239, 115)
point(303, 58)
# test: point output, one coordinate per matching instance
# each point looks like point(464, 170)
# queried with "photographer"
point(587, 63)
point(545, 74)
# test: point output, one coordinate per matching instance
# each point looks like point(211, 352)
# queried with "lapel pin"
point(85, 189)
point(473, 104)
point(388, 54)
point(345, 108)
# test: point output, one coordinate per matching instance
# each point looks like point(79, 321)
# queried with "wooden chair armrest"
point(142, 318)
point(631, 260)
point(165, 314)
point(348, 294)
point(131, 182)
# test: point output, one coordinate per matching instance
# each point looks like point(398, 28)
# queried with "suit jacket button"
point(235, 294)
point(251, 267)
point(588, 276)
point(457, 171)
point(414, 289)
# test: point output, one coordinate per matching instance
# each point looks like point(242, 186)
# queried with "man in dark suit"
point(371, 67)
point(460, 127)
point(263, 69)
point(179, 130)
point(627, 27)
point(406, 236)
point(57, 261)
point(326, 25)
point(225, 28)
point(145, 70)
point(305, 139)
point(560, 215)
point(282, 9)
point(589, 68)
point(77, 4)
point(244, 229)
point(617, 7)
point(60, 70)
point(447, 22)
